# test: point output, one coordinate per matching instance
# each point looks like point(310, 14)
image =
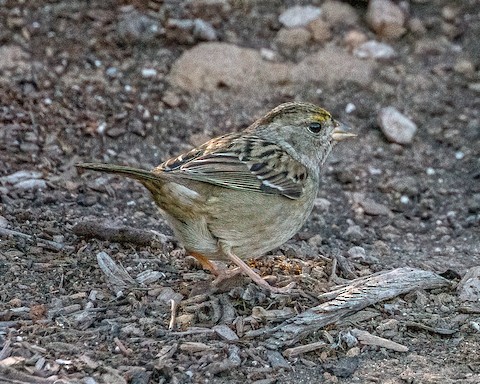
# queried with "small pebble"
point(339, 13)
point(292, 38)
point(322, 204)
point(386, 18)
point(404, 199)
point(203, 30)
point(459, 155)
point(396, 126)
point(31, 184)
point(464, 66)
point(350, 107)
point(354, 233)
point(357, 253)
point(352, 352)
point(475, 326)
point(267, 54)
point(375, 50)
point(149, 72)
point(102, 127)
point(373, 208)
point(111, 71)
point(3, 222)
point(354, 38)
point(133, 26)
point(320, 30)
point(299, 16)
point(18, 176)
point(171, 99)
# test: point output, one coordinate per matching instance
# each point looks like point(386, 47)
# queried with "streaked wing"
point(243, 163)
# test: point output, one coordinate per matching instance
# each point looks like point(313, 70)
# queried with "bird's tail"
point(133, 173)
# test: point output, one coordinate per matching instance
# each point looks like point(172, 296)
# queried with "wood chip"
point(367, 338)
point(233, 361)
point(149, 277)
point(121, 347)
point(225, 332)
point(260, 313)
point(12, 360)
point(116, 275)
point(167, 294)
point(193, 346)
point(6, 350)
point(10, 375)
point(291, 352)
point(276, 360)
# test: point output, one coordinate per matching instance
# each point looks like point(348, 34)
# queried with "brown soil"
point(70, 70)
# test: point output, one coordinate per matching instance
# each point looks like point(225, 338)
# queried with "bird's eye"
point(315, 127)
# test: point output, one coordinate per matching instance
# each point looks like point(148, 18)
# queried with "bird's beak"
point(341, 132)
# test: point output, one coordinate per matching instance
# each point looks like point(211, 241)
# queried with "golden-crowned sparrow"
point(243, 194)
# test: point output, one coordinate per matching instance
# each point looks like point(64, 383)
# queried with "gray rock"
point(203, 30)
point(276, 359)
point(208, 66)
point(3, 222)
point(292, 38)
point(407, 185)
point(320, 30)
point(343, 367)
point(395, 126)
point(473, 203)
point(323, 66)
point(370, 207)
point(338, 13)
point(12, 56)
point(299, 16)
point(354, 233)
point(31, 184)
point(357, 253)
point(469, 287)
point(386, 18)
point(375, 50)
point(134, 26)
point(19, 176)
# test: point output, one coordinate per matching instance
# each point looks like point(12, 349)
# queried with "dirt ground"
point(91, 81)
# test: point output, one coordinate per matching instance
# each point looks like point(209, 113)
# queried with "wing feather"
point(241, 162)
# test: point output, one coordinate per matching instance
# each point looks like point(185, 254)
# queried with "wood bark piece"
point(52, 244)
point(295, 351)
point(9, 375)
point(348, 299)
point(366, 338)
point(118, 234)
point(116, 275)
